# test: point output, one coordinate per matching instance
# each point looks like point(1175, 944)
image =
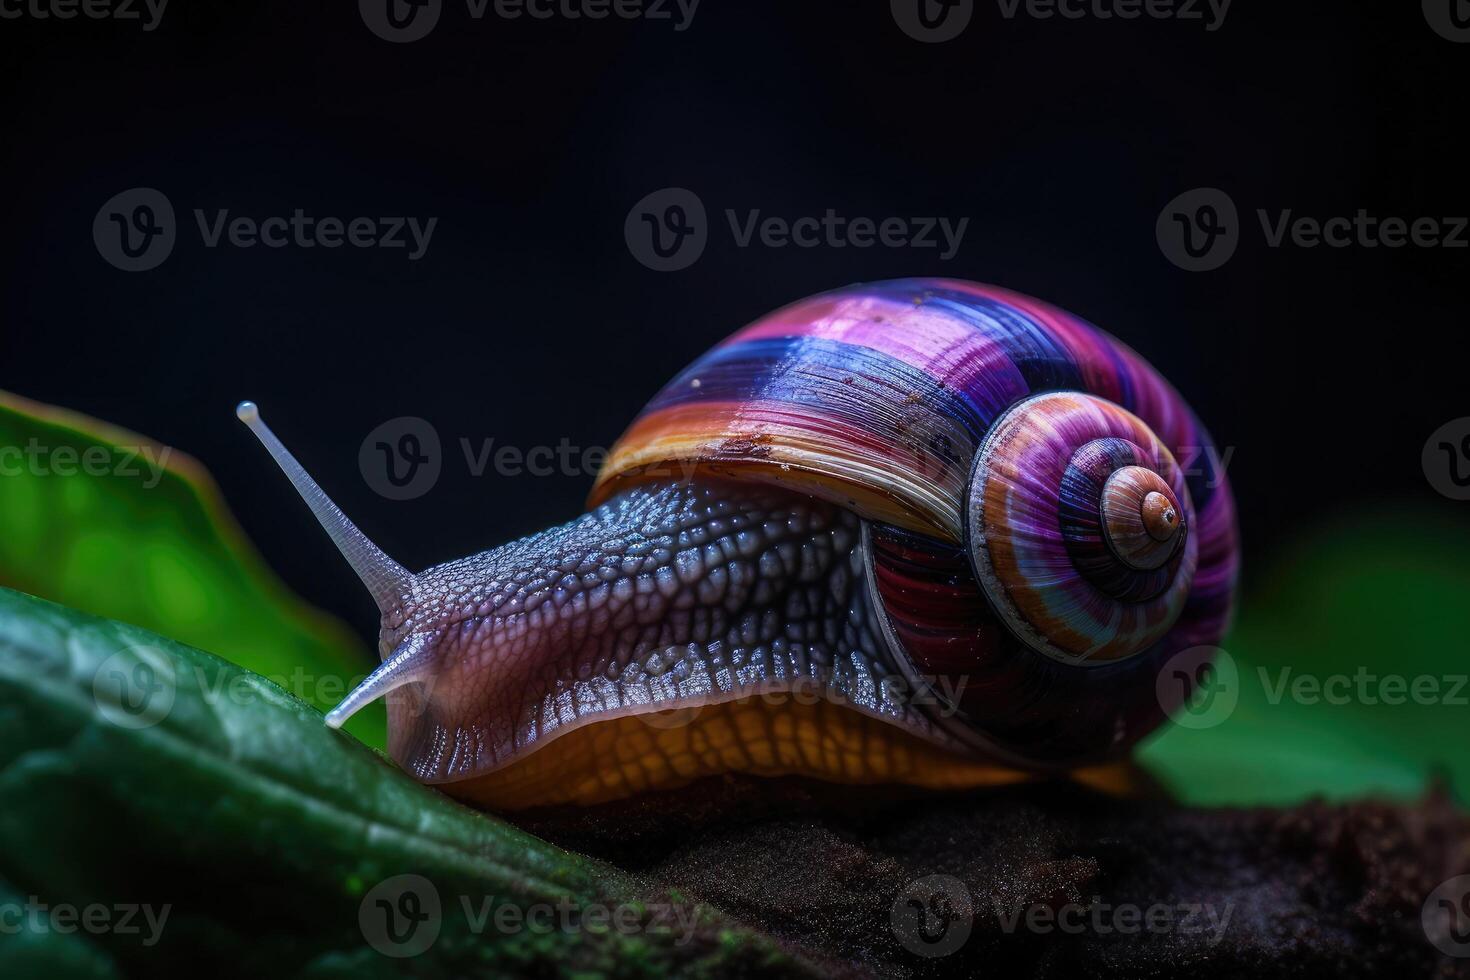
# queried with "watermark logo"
point(932, 21)
point(1199, 230)
point(134, 688)
point(401, 458)
point(1198, 687)
point(1102, 918)
point(1446, 917)
point(400, 21)
point(37, 918)
point(401, 916)
point(35, 458)
point(135, 230)
point(933, 916)
point(148, 12)
point(302, 230)
point(1450, 19)
point(1446, 459)
point(1364, 687)
point(1211, 13)
point(667, 230)
point(935, 21)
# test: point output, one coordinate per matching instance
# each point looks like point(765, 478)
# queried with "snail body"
point(920, 531)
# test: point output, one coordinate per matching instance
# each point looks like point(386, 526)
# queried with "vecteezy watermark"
point(135, 687)
point(1450, 19)
point(1446, 917)
point(403, 916)
point(223, 687)
point(37, 918)
point(1209, 462)
point(934, 21)
point(403, 458)
point(667, 230)
point(402, 21)
point(933, 916)
point(135, 230)
point(1198, 687)
point(1200, 229)
point(1365, 687)
point(1101, 918)
point(1210, 13)
point(147, 12)
point(1446, 459)
point(129, 462)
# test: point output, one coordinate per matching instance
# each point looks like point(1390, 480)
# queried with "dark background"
point(529, 321)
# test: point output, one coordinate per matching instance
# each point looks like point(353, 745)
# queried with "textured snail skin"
point(968, 527)
point(671, 597)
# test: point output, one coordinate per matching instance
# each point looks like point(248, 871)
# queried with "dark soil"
point(1142, 888)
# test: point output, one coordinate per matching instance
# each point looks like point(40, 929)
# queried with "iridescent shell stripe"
point(1030, 558)
point(859, 463)
point(799, 398)
point(905, 390)
point(990, 346)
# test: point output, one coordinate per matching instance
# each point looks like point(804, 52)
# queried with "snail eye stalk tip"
point(412, 661)
point(387, 580)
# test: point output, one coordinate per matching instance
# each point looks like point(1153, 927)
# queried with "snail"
point(926, 532)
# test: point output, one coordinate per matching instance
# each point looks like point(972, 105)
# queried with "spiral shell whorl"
point(1141, 517)
point(1055, 515)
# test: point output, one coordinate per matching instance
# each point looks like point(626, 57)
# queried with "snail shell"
point(1032, 529)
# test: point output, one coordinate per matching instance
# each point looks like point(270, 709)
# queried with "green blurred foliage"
point(1371, 609)
point(105, 521)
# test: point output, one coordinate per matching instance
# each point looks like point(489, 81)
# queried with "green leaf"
point(109, 522)
point(136, 772)
point(1344, 622)
point(31, 945)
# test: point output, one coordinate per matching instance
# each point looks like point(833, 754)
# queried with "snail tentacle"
point(387, 580)
point(411, 662)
